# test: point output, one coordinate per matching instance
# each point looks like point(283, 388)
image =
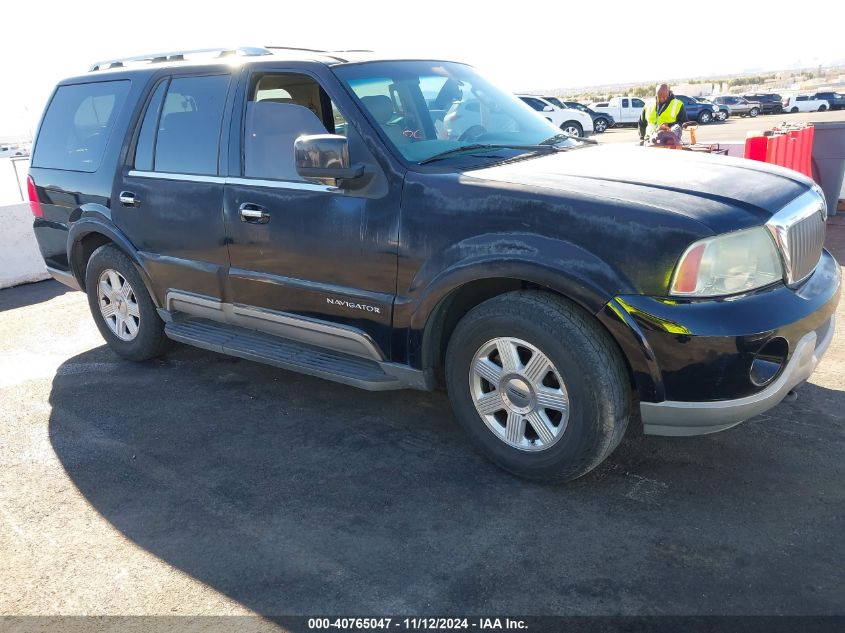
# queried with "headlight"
point(728, 264)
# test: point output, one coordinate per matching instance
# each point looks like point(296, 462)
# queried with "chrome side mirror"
point(324, 157)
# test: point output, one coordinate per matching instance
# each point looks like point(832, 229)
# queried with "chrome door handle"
point(253, 213)
point(128, 199)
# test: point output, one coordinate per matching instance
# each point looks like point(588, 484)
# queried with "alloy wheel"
point(118, 305)
point(519, 394)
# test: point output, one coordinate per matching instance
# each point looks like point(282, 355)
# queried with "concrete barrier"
point(20, 259)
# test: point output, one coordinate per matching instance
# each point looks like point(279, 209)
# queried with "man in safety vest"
point(664, 110)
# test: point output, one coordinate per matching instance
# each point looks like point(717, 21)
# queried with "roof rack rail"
point(178, 56)
point(296, 48)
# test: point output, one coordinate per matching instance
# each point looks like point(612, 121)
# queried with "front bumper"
point(698, 418)
point(692, 360)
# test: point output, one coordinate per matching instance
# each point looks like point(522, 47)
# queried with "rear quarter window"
point(77, 125)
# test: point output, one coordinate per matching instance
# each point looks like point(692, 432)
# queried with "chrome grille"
point(805, 240)
point(799, 230)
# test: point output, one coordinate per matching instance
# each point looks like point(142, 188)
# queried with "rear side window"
point(77, 125)
point(188, 135)
point(149, 129)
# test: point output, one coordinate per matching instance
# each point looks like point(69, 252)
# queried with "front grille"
point(805, 240)
point(799, 230)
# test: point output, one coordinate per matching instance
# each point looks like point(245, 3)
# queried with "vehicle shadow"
point(30, 294)
point(293, 495)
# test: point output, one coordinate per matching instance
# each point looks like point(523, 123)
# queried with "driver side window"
point(281, 107)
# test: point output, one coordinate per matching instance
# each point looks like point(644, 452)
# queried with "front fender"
point(95, 218)
point(558, 265)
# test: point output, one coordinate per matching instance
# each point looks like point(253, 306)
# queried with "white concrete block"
point(20, 259)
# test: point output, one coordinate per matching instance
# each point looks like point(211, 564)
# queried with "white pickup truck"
point(624, 110)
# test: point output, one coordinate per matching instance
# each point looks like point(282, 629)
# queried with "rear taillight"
point(34, 204)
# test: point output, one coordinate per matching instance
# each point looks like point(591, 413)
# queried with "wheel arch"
point(459, 291)
point(91, 230)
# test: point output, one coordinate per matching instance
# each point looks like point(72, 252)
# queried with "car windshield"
point(555, 102)
point(427, 108)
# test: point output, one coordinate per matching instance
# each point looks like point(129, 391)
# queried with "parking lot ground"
point(735, 129)
point(202, 484)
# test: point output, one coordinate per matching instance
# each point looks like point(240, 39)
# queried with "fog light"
point(769, 362)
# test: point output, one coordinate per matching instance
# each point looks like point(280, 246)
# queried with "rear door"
point(637, 106)
point(625, 110)
point(169, 194)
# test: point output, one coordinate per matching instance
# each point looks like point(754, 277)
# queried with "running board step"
point(284, 353)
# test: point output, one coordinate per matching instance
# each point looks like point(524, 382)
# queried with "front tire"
point(822, 108)
point(121, 306)
point(572, 128)
point(600, 125)
point(540, 388)
point(704, 118)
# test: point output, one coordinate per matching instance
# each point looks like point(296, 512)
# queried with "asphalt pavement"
point(201, 484)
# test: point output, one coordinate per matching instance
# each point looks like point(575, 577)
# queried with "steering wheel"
point(472, 133)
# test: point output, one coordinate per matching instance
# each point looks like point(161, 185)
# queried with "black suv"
point(770, 103)
point(345, 216)
point(835, 99)
point(601, 120)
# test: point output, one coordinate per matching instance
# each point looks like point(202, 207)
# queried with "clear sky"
point(521, 45)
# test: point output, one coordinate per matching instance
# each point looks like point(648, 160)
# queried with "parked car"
point(572, 122)
point(804, 103)
point(465, 117)
point(697, 110)
point(739, 105)
point(722, 112)
point(13, 151)
point(601, 121)
point(836, 100)
point(552, 285)
point(770, 103)
point(624, 110)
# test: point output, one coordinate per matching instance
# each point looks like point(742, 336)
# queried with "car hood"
point(721, 192)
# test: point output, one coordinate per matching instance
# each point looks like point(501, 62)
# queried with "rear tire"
point(822, 108)
point(515, 353)
point(121, 306)
point(753, 112)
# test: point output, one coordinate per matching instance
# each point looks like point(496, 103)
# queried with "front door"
point(303, 254)
point(169, 196)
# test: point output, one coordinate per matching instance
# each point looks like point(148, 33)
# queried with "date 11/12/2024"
point(413, 624)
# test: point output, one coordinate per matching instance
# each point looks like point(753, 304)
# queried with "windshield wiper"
point(562, 137)
point(486, 146)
